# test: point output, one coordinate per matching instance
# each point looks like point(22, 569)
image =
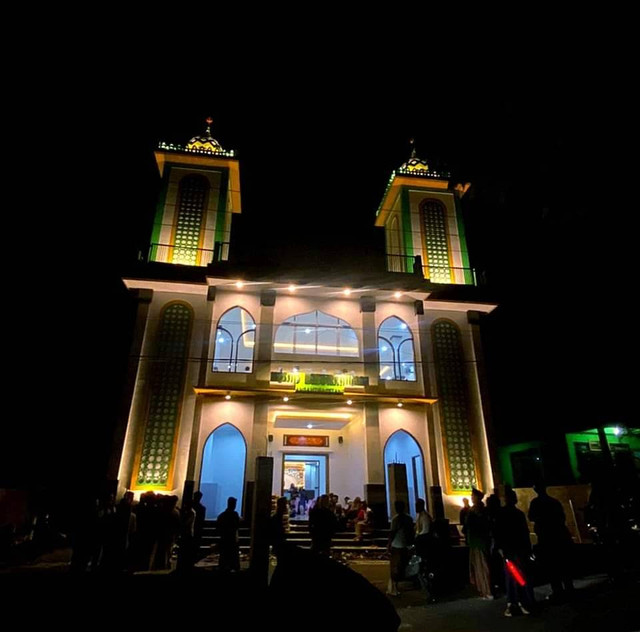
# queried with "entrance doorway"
point(304, 479)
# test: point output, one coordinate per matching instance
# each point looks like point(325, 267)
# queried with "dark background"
point(549, 217)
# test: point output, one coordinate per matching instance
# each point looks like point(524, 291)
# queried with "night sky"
point(546, 219)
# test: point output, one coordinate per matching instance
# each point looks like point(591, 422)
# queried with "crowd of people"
point(500, 551)
point(128, 536)
point(326, 515)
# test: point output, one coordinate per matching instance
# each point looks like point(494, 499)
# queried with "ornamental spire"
point(414, 164)
point(205, 143)
point(412, 142)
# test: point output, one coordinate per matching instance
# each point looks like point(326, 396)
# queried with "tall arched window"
point(166, 381)
point(395, 346)
point(193, 191)
point(222, 472)
point(402, 448)
point(235, 342)
point(434, 228)
point(316, 333)
point(454, 407)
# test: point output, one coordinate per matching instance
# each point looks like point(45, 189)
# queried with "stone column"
point(190, 482)
point(259, 556)
point(479, 400)
point(370, 339)
point(424, 340)
point(435, 491)
point(375, 461)
point(375, 491)
point(143, 299)
point(264, 341)
point(259, 437)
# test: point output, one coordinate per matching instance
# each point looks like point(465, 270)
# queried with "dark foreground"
point(304, 595)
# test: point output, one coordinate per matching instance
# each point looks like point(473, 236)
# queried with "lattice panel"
point(191, 207)
point(166, 383)
point(435, 234)
point(452, 387)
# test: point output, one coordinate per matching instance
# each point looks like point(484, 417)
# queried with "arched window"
point(235, 342)
point(454, 407)
point(402, 448)
point(166, 381)
point(193, 191)
point(395, 346)
point(222, 473)
point(434, 227)
point(316, 333)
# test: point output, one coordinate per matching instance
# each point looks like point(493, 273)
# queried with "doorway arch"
point(401, 447)
point(223, 466)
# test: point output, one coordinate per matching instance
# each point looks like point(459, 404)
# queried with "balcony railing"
point(435, 274)
point(181, 255)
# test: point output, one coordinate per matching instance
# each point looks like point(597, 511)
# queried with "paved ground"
point(598, 605)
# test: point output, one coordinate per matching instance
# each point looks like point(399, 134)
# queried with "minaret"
point(421, 216)
point(200, 191)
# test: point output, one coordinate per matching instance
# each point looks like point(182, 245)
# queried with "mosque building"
point(362, 383)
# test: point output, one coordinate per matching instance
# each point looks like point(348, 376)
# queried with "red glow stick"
point(515, 573)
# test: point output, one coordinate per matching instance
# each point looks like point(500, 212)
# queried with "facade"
point(360, 384)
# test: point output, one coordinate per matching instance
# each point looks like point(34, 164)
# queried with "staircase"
point(342, 542)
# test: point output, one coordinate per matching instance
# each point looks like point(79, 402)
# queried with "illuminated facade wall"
point(343, 387)
point(349, 469)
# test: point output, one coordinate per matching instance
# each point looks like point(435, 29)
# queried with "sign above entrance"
point(309, 441)
point(319, 382)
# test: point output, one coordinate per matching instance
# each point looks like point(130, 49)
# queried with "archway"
point(222, 473)
point(401, 447)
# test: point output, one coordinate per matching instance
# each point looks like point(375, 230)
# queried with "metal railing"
point(436, 274)
point(181, 255)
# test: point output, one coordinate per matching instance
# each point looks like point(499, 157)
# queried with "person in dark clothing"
point(277, 533)
point(198, 525)
point(302, 501)
point(401, 537)
point(496, 565)
point(186, 551)
point(322, 526)
point(554, 541)
point(514, 544)
point(227, 525)
point(120, 534)
point(478, 540)
point(464, 512)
